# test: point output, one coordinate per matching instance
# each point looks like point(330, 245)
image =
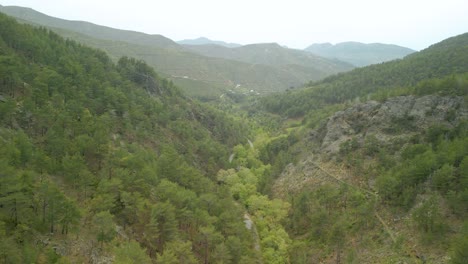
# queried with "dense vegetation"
point(104, 161)
point(419, 181)
point(421, 189)
point(88, 145)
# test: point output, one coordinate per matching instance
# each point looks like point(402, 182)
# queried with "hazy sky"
point(296, 23)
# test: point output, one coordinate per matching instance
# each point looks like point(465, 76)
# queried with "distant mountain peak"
point(266, 44)
point(265, 67)
point(322, 45)
point(207, 41)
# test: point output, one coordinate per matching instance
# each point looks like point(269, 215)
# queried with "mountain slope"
point(108, 162)
point(387, 175)
point(206, 41)
point(211, 76)
point(375, 171)
point(90, 29)
point(447, 57)
point(360, 54)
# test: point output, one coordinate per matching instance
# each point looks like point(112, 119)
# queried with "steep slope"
point(206, 41)
point(212, 76)
point(388, 175)
point(376, 170)
point(360, 54)
point(104, 162)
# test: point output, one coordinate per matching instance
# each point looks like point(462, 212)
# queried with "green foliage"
point(443, 178)
point(10, 252)
point(130, 252)
point(116, 144)
point(398, 184)
point(104, 227)
point(427, 216)
point(413, 150)
point(94, 148)
point(163, 224)
point(177, 252)
point(267, 214)
point(459, 249)
point(329, 216)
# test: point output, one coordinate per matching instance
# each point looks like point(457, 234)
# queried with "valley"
point(124, 147)
point(210, 75)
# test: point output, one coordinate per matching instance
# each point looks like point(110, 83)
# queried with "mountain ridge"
point(360, 54)
point(198, 75)
point(207, 41)
point(449, 56)
point(270, 54)
point(89, 28)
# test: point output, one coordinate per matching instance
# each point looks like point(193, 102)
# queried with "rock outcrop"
point(401, 116)
point(396, 120)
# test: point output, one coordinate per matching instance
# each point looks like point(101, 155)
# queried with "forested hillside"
point(108, 161)
point(377, 161)
point(449, 57)
point(102, 160)
point(198, 76)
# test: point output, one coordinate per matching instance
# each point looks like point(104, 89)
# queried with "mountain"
point(206, 77)
point(104, 161)
point(359, 54)
point(374, 158)
point(206, 41)
point(271, 54)
point(89, 29)
point(200, 76)
point(448, 57)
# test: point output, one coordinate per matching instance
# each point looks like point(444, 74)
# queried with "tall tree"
point(104, 227)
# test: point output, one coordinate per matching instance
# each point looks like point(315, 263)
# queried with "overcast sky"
point(295, 23)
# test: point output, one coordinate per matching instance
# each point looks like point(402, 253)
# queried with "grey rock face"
point(396, 117)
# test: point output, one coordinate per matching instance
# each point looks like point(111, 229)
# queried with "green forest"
point(106, 161)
